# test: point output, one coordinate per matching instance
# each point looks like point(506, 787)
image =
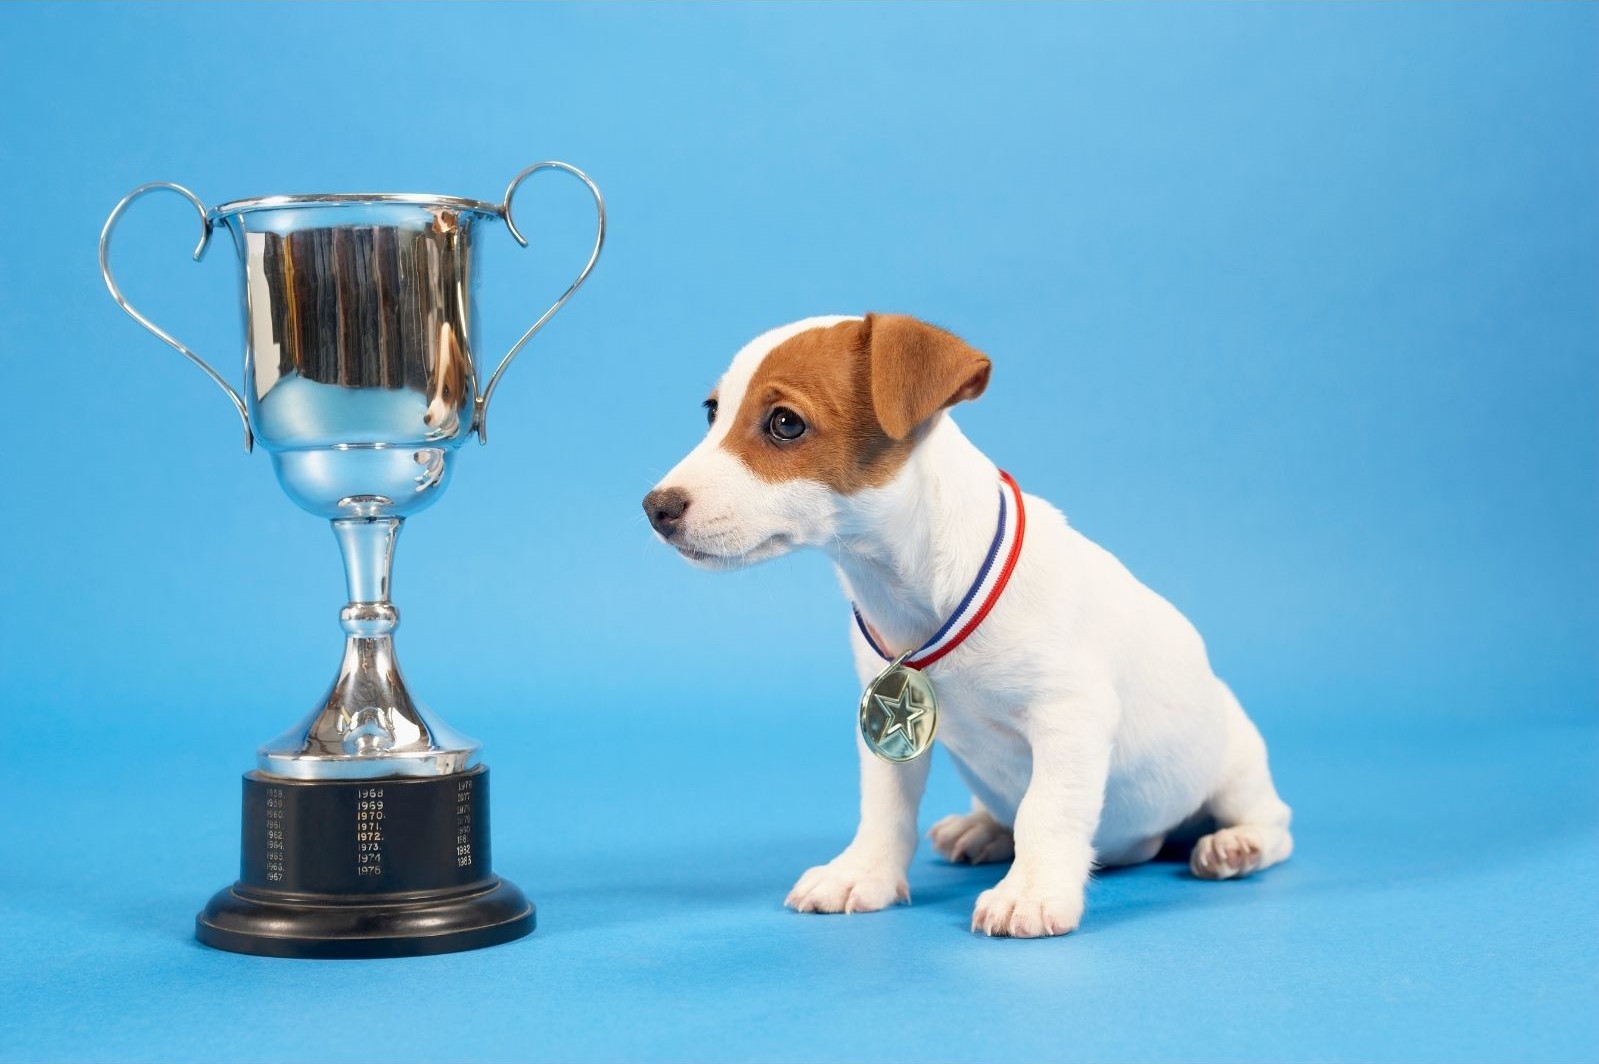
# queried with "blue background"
point(1294, 308)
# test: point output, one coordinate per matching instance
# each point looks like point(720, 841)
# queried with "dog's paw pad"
point(836, 888)
point(1018, 910)
point(1226, 854)
point(972, 838)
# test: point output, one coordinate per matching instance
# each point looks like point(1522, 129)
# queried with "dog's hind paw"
point(1228, 853)
point(972, 838)
point(847, 888)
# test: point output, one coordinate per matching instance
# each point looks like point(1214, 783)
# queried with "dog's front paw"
point(847, 887)
point(1024, 906)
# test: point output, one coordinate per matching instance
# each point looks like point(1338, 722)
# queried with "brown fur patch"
point(864, 388)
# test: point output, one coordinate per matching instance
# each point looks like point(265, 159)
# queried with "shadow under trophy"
point(365, 827)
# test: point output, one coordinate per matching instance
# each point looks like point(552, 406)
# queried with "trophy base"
point(242, 922)
point(390, 867)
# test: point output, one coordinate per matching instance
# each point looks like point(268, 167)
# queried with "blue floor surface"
point(1441, 907)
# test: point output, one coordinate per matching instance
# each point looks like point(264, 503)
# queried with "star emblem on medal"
point(902, 714)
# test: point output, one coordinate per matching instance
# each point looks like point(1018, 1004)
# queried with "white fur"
point(1082, 713)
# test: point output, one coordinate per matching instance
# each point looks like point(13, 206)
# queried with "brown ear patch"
point(919, 369)
point(862, 388)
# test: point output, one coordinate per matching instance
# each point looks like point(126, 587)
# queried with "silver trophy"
point(366, 825)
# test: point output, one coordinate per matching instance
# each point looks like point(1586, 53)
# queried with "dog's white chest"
point(982, 734)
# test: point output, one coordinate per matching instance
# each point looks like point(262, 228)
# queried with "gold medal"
point(899, 713)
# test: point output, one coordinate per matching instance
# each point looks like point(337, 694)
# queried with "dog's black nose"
point(665, 508)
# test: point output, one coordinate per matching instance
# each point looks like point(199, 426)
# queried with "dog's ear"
point(917, 370)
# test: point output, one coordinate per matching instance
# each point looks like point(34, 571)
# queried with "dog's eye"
point(710, 411)
point(784, 425)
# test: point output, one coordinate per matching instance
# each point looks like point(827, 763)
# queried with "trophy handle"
point(482, 406)
point(199, 252)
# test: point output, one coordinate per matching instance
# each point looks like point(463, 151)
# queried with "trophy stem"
point(368, 726)
point(367, 544)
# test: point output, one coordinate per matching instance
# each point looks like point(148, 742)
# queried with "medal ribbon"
point(985, 590)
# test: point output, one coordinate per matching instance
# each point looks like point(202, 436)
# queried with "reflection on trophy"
point(365, 829)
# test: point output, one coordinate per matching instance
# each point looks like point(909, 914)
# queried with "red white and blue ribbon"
point(985, 590)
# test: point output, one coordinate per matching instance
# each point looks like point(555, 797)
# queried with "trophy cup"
point(365, 827)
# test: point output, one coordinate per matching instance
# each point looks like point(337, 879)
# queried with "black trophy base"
point(241, 922)
point(395, 867)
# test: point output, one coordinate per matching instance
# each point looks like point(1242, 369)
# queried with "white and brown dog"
point(1082, 712)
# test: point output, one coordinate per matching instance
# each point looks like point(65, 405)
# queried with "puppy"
point(1081, 711)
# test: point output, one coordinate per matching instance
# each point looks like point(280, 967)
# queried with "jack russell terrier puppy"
point(1078, 705)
